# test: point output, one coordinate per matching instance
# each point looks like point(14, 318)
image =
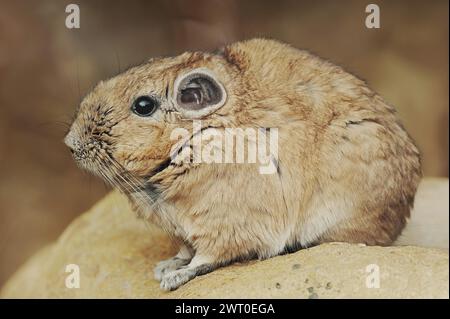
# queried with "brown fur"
point(347, 170)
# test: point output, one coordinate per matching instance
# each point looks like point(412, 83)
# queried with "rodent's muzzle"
point(89, 154)
point(81, 152)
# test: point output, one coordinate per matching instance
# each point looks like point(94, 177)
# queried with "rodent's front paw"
point(175, 279)
point(169, 265)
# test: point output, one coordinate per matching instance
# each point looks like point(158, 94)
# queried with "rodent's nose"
point(69, 140)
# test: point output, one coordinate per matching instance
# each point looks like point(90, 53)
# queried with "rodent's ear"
point(198, 93)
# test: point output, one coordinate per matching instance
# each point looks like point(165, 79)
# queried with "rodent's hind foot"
point(166, 266)
point(174, 279)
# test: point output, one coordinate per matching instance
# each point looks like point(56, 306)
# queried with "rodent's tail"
point(429, 223)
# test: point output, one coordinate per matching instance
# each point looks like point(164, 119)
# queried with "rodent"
point(346, 169)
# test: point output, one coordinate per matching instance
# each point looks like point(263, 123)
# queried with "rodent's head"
point(125, 123)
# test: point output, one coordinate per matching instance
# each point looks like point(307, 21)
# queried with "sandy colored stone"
point(116, 254)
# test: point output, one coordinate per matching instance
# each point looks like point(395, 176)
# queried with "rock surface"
point(116, 253)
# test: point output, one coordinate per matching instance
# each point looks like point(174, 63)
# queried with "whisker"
point(117, 176)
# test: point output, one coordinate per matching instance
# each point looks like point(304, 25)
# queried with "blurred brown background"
point(45, 69)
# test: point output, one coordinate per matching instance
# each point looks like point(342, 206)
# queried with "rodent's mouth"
point(102, 164)
point(89, 164)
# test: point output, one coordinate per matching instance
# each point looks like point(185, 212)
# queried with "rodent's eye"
point(144, 106)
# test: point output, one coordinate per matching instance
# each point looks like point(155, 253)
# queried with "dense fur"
point(347, 170)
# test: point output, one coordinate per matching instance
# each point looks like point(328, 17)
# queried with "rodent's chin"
point(90, 166)
point(108, 169)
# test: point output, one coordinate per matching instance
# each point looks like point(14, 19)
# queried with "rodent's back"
point(348, 165)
